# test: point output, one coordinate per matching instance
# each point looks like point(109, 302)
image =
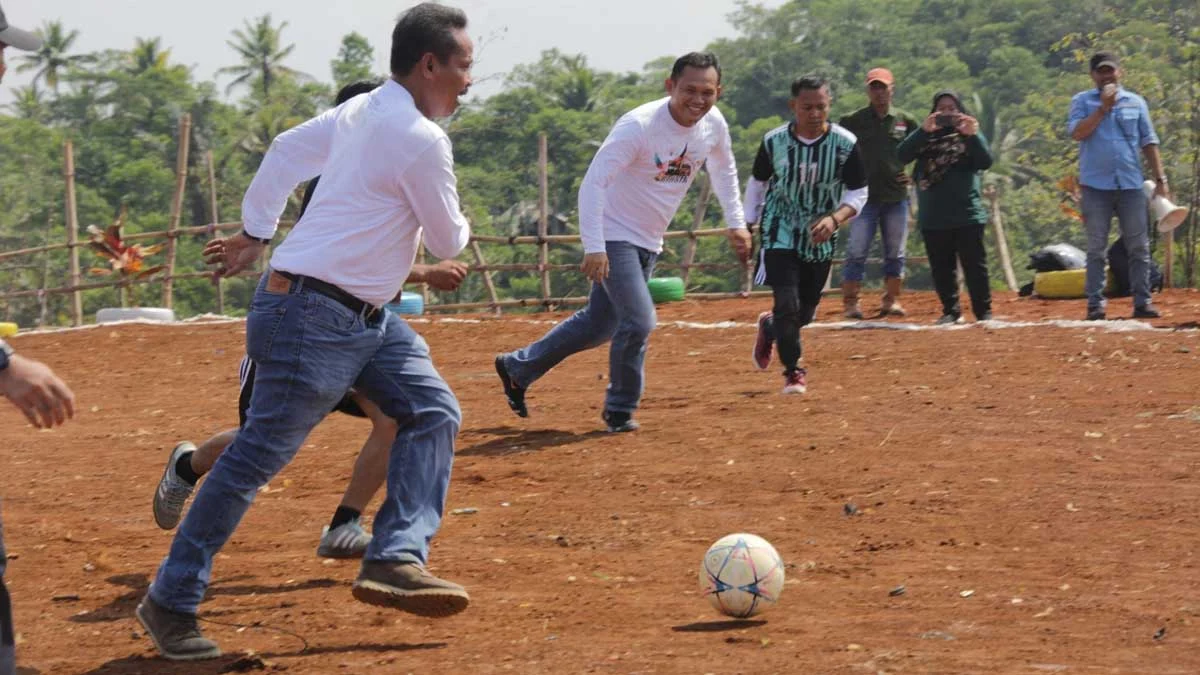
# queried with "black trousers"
point(8, 663)
point(797, 285)
point(964, 244)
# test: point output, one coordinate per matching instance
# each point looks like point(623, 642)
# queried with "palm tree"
point(148, 54)
point(29, 104)
point(258, 45)
point(52, 59)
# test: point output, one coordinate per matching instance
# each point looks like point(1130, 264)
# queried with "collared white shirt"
point(387, 176)
point(641, 173)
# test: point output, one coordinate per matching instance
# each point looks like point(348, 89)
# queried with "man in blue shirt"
point(1111, 125)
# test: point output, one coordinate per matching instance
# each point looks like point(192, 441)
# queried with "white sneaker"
point(348, 540)
point(173, 491)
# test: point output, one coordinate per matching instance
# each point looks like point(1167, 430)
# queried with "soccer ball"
point(741, 575)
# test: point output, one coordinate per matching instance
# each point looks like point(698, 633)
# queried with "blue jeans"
point(892, 221)
point(619, 309)
point(308, 351)
point(1098, 207)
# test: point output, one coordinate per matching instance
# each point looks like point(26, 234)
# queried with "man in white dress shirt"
point(317, 326)
point(627, 199)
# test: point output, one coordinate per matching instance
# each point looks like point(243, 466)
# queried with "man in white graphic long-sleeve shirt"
point(316, 326)
point(631, 192)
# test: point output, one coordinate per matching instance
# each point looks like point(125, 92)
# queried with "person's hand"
point(595, 266)
point(232, 254)
point(967, 125)
point(930, 124)
point(903, 179)
point(823, 229)
point(1108, 97)
point(742, 243)
point(44, 399)
point(1162, 190)
point(446, 275)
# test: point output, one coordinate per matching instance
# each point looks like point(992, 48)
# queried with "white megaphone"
point(1167, 216)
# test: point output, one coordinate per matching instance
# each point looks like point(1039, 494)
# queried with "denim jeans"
point(1098, 207)
point(308, 351)
point(892, 222)
point(618, 309)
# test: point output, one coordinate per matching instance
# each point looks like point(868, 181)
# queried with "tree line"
point(1016, 62)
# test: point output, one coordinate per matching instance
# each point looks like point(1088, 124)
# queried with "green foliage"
point(1016, 62)
point(354, 62)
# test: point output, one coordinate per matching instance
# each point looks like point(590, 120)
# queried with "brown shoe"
point(408, 587)
point(850, 308)
point(891, 298)
point(177, 636)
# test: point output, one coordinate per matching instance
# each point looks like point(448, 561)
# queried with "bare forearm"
point(1089, 124)
point(843, 214)
point(419, 274)
point(1154, 159)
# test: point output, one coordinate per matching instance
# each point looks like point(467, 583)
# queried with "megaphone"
point(1167, 216)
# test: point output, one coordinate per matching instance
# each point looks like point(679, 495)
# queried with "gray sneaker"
point(408, 587)
point(348, 540)
point(173, 491)
point(176, 635)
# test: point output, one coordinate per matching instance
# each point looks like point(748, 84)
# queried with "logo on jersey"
point(676, 170)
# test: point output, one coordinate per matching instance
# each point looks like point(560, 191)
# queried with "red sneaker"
point(795, 381)
point(764, 343)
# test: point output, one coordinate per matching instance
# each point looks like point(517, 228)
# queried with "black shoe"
point(176, 635)
point(1095, 314)
point(947, 319)
point(1146, 312)
point(515, 394)
point(986, 316)
point(619, 422)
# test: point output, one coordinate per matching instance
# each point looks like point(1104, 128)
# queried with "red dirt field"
point(1050, 470)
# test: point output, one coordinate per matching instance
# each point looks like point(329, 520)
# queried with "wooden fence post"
point(212, 228)
point(689, 253)
point(993, 195)
point(181, 171)
point(73, 233)
point(543, 218)
point(487, 276)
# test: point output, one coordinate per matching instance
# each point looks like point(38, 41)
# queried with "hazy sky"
point(614, 34)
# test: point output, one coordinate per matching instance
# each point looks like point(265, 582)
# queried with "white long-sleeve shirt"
point(641, 173)
point(387, 176)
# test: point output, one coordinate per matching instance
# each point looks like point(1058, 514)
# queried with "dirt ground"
point(1033, 489)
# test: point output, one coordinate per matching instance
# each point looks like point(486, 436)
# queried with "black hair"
point(426, 28)
point(701, 60)
point(813, 82)
point(354, 89)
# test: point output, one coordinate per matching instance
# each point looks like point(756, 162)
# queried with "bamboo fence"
point(74, 287)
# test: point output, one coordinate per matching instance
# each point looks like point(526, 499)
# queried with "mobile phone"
point(947, 120)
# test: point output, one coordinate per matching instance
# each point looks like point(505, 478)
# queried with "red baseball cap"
point(880, 75)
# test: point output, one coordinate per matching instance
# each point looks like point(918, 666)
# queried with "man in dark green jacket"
point(879, 128)
point(950, 154)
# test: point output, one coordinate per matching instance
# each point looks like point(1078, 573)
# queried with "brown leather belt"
point(364, 309)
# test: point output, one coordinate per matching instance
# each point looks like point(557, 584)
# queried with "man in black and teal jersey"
point(808, 181)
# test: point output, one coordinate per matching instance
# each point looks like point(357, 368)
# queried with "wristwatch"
point(6, 353)
point(1161, 179)
point(260, 240)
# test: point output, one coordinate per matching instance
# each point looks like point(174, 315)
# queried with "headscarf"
point(943, 149)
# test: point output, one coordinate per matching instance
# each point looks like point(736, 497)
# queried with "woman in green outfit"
point(950, 154)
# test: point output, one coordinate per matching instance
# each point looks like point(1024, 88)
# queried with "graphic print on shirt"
point(675, 170)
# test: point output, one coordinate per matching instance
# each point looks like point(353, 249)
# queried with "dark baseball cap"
point(1102, 59)
point(15, 37)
